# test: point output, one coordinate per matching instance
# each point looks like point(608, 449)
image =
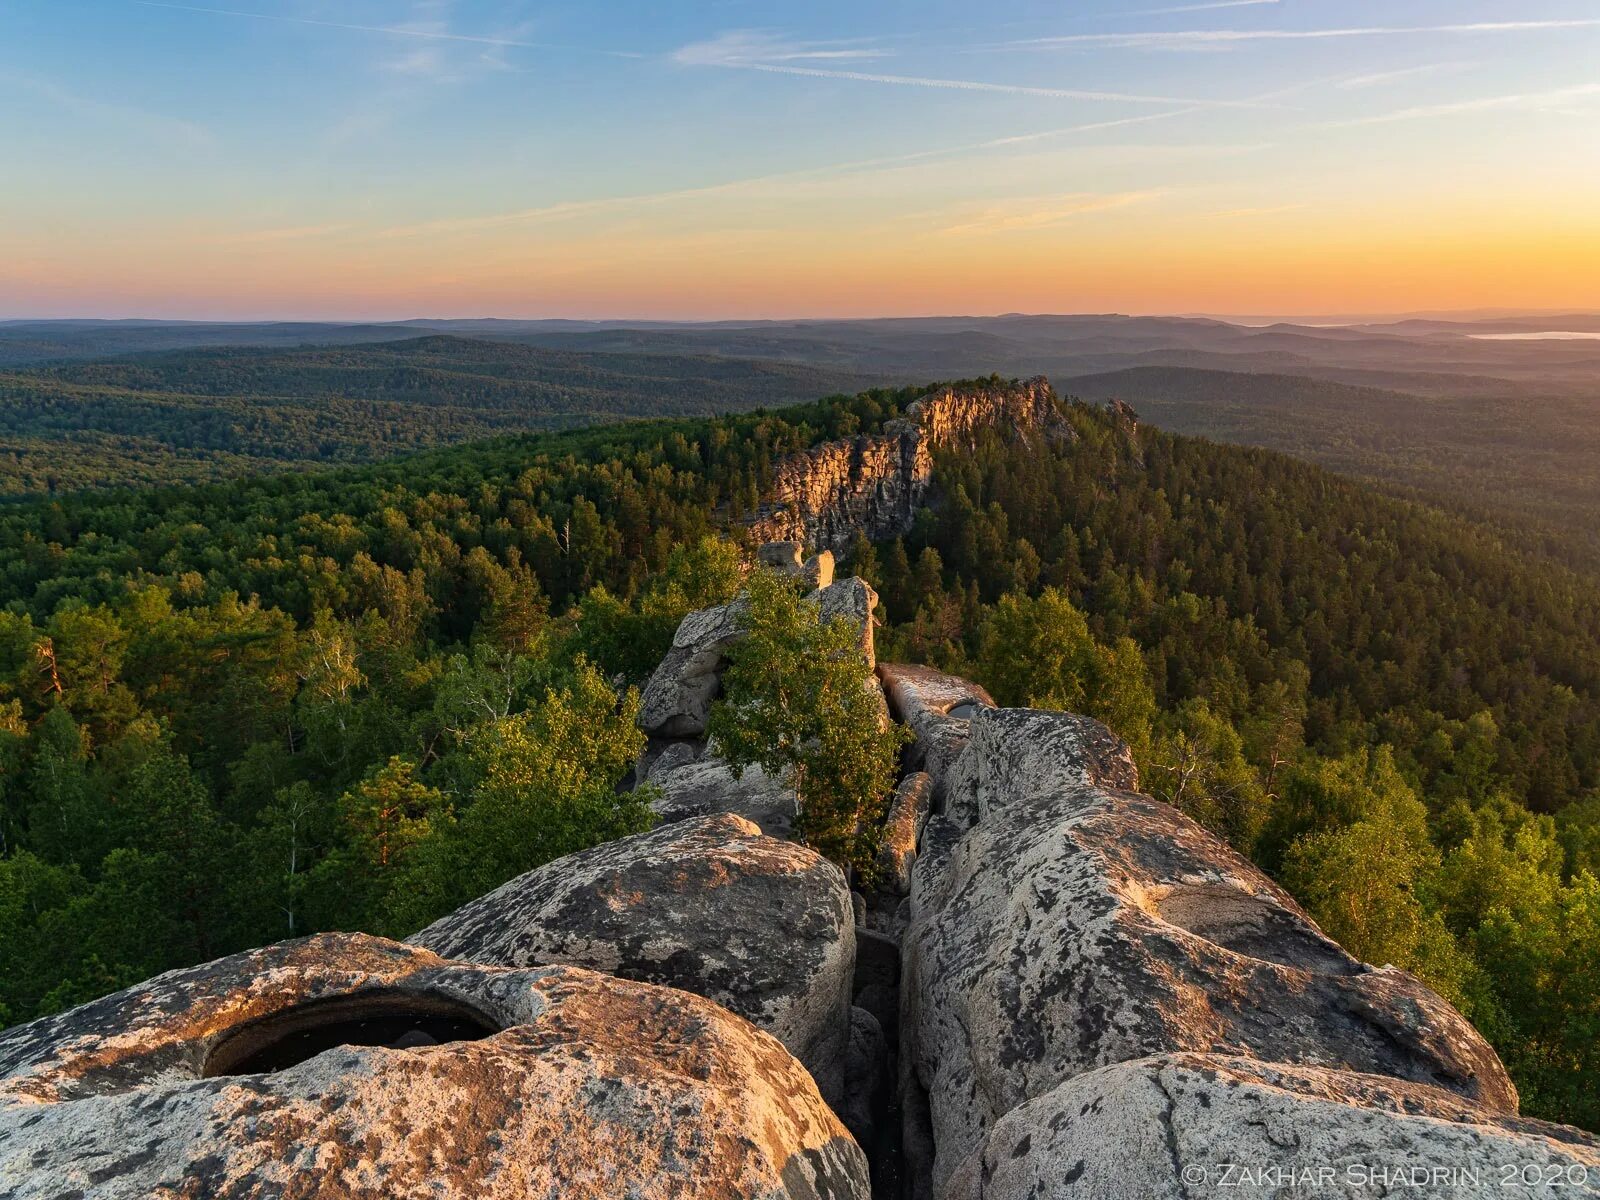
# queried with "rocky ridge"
point(1061, 988)
point(874, 484)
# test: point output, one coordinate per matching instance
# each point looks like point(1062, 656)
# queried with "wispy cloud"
point(743, 50)
point(1216, 37)
point(419, 30)
point(1548, 101)
point(1189, 8)
point(159, 127)
point(1043, 212)
point(743, 47)
point(1377, 78)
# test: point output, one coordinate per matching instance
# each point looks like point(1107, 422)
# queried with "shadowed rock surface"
point(593, 1088)
point(1076, 925)
point(853, 599)
point(676, 702)
point(1191, 1125)
point(696, 787)
point(710, 905)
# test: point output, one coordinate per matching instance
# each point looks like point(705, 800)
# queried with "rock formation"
point(875, 484)
point(697, 786)
point(1062, 925)
point(1191, 1125)
point(1059, 987)
point(348, 1066)
point(761, 926)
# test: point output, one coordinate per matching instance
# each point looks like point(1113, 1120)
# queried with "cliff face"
point(875, 484)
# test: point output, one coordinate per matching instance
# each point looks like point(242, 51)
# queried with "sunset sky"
point(739, 158)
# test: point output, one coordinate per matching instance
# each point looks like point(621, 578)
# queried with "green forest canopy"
point(237, 712)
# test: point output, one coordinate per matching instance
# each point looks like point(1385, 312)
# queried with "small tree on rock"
point(799, 704)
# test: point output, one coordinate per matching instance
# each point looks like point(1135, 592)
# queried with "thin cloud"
point(430, 34)
point(744, 51)
point(744, 47)
point(1532, 101)
point(1189, 8)
point(1356, 82)
point(1218, 37)
point(566, 209)
point(1044, 212)
point(157, 126)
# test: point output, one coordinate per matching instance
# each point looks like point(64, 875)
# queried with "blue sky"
point(392, 158)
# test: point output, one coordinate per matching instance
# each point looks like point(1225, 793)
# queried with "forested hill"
point(206, 414)
point(233, 712)
point(1529, 461)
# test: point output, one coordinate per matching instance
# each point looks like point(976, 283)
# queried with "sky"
point(386, 159)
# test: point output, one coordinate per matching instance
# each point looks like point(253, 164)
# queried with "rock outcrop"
point(676, 703)
point(902, 829)
point(1191, 1125)
point(1062, 923)
point(697, 786)
point(875, 484)
point(938, 709)
point(348, 1066)
point(761, 926)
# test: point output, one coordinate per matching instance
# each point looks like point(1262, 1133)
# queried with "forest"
point(201, 415)
point(242, 711)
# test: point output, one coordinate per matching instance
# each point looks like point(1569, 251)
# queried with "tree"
point(798, 704)
point(541, 783)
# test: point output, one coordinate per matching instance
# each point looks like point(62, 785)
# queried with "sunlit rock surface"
point(710, 905)
point(571, 1084)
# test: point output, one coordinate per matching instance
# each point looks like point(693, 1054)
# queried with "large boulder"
point(938, 709)
point(761, 926)
point(688, 787)
point(1078, 925)
point(1191, 1125)
point(349, 1066)
point(853, 599)
point(676, 702)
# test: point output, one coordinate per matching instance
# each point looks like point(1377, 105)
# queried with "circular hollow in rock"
point(965, 709)
point(398, 1020)
point(1252, 926)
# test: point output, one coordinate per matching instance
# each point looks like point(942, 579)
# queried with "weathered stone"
point(873, 485)
point(937, 708)
point(1192, 1125)
point(853, 599)
point(761, 926)
point(660, 761)
point(676, 702)
point(1077, 925)
point(705, 786)
point(818, 569)
point(908, 813)
point(585, 1087)
point(866, 1077)
point(781, 556)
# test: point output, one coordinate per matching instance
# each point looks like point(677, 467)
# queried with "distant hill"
point(205, 414)
point(1535, 461)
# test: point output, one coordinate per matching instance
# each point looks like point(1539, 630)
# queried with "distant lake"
point(1554, 335)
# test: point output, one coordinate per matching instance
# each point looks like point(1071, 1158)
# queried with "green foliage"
point(236, 713)
point(202, 415)
point(800, 705)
